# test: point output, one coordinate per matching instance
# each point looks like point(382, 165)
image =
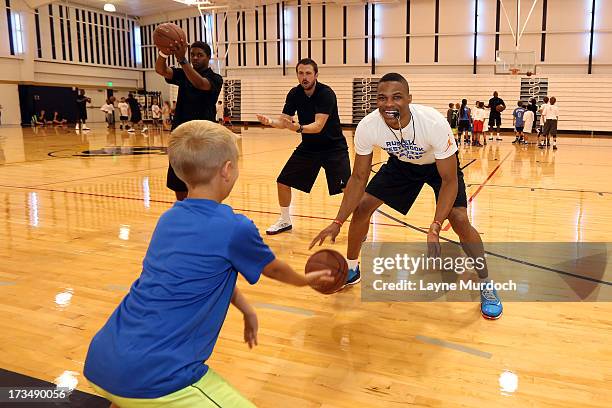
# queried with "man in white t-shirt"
point(124, 109)
point(421, 150)
point(551, 112)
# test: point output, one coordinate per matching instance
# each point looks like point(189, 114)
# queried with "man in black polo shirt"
point(199, 89)
point(323, 144)
point(495, 115)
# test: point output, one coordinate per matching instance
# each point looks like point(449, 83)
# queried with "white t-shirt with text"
point(426, 138)
point(123, 108)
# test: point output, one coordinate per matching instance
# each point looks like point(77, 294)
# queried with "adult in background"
point(495, 115)
point(81, 102)
point(198, 90)
point(135, 114)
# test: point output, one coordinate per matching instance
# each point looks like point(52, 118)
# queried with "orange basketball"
point(500, 108)
point(166, 34)
point(328, 259)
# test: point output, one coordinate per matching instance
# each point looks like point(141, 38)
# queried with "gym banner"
point(534, 87)
point(519, 271)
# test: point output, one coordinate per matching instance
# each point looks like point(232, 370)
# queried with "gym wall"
point(58, 49)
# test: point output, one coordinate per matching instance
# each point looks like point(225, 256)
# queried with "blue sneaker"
point(490, 304)
point(352, 278)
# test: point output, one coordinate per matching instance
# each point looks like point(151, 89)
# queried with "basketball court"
point(78, 210)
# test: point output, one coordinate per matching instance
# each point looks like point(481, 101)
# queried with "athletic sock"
point(285, 214)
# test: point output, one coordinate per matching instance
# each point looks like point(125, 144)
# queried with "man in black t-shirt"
point(495, 115)
point(323, 144)
point(199, 89)
point(81, 102)
point(135, 114)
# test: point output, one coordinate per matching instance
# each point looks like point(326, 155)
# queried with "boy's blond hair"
point(199, 148)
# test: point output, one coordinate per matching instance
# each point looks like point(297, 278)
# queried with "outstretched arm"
point(280, 123)
point(352, 195)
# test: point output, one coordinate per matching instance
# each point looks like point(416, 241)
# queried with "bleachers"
point(583, 101)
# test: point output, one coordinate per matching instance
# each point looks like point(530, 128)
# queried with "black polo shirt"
point(323, 100)
point(193, 103)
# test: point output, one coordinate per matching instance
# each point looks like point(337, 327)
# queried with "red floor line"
point(481, 186)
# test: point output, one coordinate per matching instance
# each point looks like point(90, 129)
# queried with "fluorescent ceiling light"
point(110, 7)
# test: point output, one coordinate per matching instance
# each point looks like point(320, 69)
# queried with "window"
point(17, 32)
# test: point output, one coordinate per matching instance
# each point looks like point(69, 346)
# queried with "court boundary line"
point(152, 200)
point(568, 190)
point(480, 187)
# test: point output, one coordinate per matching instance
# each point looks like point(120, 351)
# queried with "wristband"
point(161, 54)
point(437, 222)
point(337, 222)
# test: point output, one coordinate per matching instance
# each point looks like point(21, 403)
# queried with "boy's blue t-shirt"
point(518, 115)
point(158, 338)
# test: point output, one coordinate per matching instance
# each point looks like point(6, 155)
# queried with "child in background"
point(479, 118)
point(155, 114)
point(108, 110)
point(166, 110)
point(124, 110)
point(518, 122)
point(451, 117)
point(529, 118)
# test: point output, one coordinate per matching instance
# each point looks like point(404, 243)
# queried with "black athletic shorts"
point(173, 182)
point(136, 118)
point(302, 169)
point(494, 119)
point(464, 126)
point(398, 183)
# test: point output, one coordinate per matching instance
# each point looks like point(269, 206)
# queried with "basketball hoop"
point(514, 71)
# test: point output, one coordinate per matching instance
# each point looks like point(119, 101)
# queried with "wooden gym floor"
point(75, 228)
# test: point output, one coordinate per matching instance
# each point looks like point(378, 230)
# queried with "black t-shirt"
point(193, 103)
point(493, 102)
point(81, 102)
point(533, 107)
point(323, 100)
point(134, 106)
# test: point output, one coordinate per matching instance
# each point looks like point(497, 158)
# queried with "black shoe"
point(555, 147)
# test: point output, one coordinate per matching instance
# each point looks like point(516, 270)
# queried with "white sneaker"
point(131, 130)
point(144, 129)
point(279, 226)
point(85, 127)
point(77, 127)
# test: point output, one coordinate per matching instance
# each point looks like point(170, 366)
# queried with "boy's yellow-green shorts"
point(210, 391)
